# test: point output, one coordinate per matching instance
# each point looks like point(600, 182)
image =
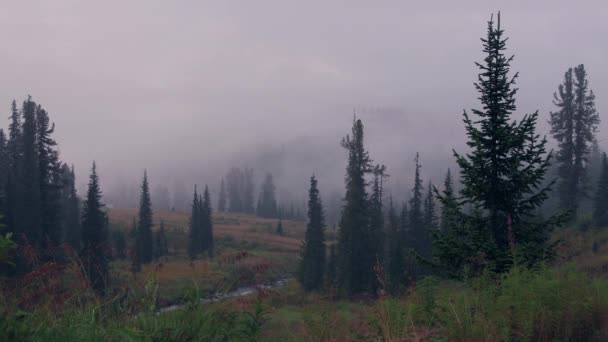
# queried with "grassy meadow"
point(567, 301)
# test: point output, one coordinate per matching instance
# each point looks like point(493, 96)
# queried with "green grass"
point(564, 302)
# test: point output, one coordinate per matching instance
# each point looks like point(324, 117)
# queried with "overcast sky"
point(159, 84)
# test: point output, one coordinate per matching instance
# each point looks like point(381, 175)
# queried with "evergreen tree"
point(195, 235)
point(377, 212)
point(14, 186)
point(574, 127)
point(416, 220)
point(312, 263)
point(430, 215)
point(49, 179)
point(418, 236)
point(29, 215)
point(267, 203)
point(145, 240)
point(600, 203)
point(501, 177)
point(221, 205)
point(447, 209)
point(355, 241)
point(95, 236)
point(207, 223)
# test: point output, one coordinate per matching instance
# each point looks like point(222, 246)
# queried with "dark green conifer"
point(14, 185)
point(145, 238)
point(501, 177)
point(355, 241)
point(49, 179)
point(195, 235)
point(418, 237)
point(447, 208)
point(95, 253)
point(29, 214)
point(430, 212)
point(207, 224)
point(377, 213)
point(312, 263)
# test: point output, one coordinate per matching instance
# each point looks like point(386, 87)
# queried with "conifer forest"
point(295, 171)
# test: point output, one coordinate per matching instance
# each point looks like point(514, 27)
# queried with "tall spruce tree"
point(145, 239)
point(501, 177)
point(29, 215)
point(206, 224)
point(312, 263)
point(49, 179)
point(14, 186)
point(221, 204)
point(430, 213)
point(377, 212)
point(600, 201)
point(449, 204)
point(95, 253)
point(418, 236)
point(355, 242)
point(416, 219)
point(573, 126)
point(195, 234)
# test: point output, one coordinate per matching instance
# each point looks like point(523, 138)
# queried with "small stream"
point(239, 292)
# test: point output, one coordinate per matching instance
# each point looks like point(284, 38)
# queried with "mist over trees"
point(488, 215)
